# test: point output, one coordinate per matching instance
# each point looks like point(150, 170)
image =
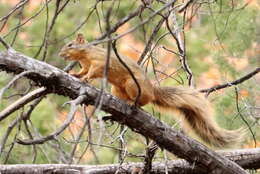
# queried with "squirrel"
point(189, 102)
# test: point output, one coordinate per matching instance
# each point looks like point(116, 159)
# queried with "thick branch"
point(247, 158)
point(59, 82)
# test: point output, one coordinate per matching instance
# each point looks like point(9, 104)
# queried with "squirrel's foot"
point(74, 74)
point(133, 104)
point(84, 79)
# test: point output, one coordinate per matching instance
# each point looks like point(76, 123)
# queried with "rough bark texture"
point(59, 82)
point(247, 158)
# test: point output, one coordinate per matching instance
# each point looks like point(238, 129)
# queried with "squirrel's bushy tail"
point(197, 113)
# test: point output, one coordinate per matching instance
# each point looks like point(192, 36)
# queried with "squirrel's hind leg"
point(132, 92)
point(120, 93)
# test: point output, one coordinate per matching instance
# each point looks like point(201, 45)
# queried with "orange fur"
point(195, 108)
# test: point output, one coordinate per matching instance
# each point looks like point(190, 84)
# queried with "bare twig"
point(26, 21)
point(150, 152)
point(73, 109)
point(90, 140)
point(13, 142)
point(4, 43)
point(185, 6)
point(177, 35)
point(149, 43)
point(14, 80)
point(16, 7)
point(80, 134)
point(22, 101)
point(99, 102)
point(7, 133)
point(121, 22)
point(148, 19)
point(229, 84)
point(123, 147)
point(5, 18)
point(58, 10)
point(130, 72)
point(167, 49)
point(122, 144)
point(242, 117)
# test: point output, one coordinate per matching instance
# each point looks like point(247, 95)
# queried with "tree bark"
point(59, 82)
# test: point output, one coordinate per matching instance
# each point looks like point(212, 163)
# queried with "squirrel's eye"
point(70, 45)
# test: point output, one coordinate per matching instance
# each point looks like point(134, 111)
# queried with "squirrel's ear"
point(80, 38)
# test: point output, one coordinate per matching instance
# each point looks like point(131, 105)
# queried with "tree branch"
point(70, 117)
point(229, 84)
point(247, 158)
point(4, 43)
point(21, 102)
point(59, 82)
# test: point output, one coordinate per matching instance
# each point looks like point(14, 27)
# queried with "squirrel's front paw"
point(74, 74)
point(84, 79)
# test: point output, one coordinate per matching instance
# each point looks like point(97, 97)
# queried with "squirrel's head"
point(74, 50)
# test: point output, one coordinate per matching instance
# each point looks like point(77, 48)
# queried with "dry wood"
point(247, 158)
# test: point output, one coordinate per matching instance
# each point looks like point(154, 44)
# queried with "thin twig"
point(58, 10)
point(149, 43)
point(7, 133)
point(185, 6)
point(121, 22)
point(80, 134)
point(229, 84)
point(26, 21)
point(148, 19)
point(130, 72)
point(122, 153)
point(17, 77)
point(13, 142)
point(99, 102)
point(4, 43)
point(181, 46)
point(70, 117)
point(150, 152)
point(242, 117)
point(17, 6)
point(22, 101)
point(20, 14)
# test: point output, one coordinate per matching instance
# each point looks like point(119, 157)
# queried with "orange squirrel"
point(189, 102)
